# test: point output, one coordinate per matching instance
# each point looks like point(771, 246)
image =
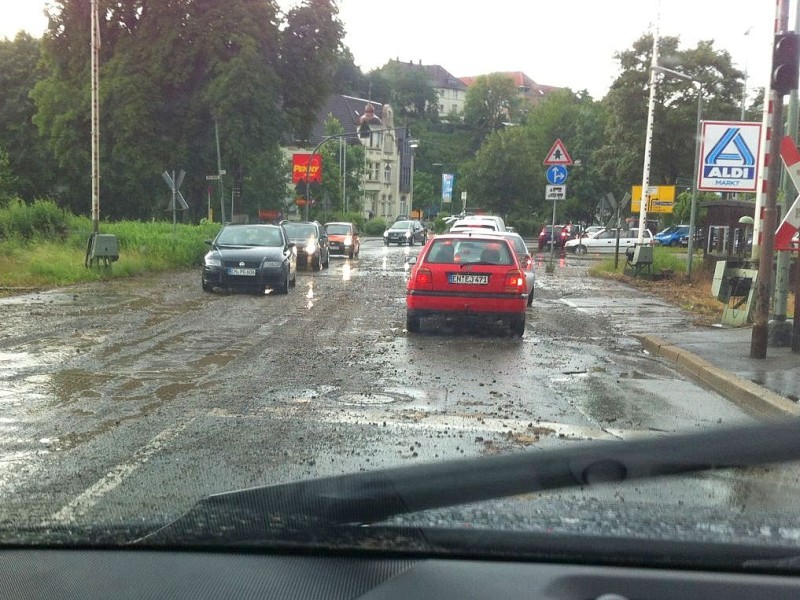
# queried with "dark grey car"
point(311, 243)
point(405, 232)
point(255, 257)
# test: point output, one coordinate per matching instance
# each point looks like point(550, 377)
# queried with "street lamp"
point(364, 131)
point(693, 210)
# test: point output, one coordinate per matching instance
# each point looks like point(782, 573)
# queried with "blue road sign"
point(556, 174)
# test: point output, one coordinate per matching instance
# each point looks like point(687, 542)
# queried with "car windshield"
point(336, 229)
point(250, 236)
point(299, 230)
point(187, 356)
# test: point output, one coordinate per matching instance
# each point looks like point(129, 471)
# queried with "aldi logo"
point(729, 156)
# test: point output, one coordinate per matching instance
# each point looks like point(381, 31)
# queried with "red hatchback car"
point(467, 275)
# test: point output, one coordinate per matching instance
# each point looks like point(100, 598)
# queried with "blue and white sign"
point(447, 187)
point(556, 174)
point(729, 156)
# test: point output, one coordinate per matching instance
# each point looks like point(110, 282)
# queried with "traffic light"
point(785, 63)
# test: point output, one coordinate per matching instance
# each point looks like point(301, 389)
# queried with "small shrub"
point(375, 226)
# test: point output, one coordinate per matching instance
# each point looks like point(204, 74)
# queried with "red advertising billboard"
point(300, 165)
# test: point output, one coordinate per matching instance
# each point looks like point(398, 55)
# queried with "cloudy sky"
point(567, 43)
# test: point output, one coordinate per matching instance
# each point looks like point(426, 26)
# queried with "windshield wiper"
point(369, 497)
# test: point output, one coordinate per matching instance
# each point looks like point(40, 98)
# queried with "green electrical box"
point(103, 248)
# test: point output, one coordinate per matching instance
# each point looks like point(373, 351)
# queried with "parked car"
point(343, 238)
point(469, 275)
point(606, 241)
point(592, 230)
point(311, 243)
point(405, 232)
point(673, 236)
point(524, 257)
point(255, 257)
point(547, 233)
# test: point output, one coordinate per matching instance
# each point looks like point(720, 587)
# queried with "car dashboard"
point(106, 573)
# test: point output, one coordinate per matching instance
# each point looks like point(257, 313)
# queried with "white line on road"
point(92, 495)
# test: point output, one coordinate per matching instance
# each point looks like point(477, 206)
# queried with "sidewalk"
point(720, 358)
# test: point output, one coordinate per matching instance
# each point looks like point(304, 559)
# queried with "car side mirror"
point(209, 242)
point(411, 260)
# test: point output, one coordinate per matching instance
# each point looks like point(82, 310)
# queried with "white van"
point(490, 222)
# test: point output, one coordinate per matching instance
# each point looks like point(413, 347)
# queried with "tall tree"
point(492, 100)
point(310, 50)
point(674, 123)
point(30, 162)
point(173, 73)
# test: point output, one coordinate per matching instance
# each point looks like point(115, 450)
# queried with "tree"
point(172, 73)
point(507, 173)
point(29, 161)
point(310, 51)
point(410, 89)
point(621, 158)
point(491, 101)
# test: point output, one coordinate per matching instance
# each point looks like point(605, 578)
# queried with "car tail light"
point(423, 278)
point(514, 282)
point(527, 262)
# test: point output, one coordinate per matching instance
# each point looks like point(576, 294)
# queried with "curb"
point(745, 394)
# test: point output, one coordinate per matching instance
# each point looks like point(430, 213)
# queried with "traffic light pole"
point(785, 60)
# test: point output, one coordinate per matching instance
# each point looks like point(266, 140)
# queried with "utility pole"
point(784, 78)
point(95, 41)
point(220, 173)
point(648, 144)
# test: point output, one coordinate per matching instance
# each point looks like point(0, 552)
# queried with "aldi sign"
point(729, 154)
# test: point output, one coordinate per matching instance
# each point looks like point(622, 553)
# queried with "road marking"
point(93, 494)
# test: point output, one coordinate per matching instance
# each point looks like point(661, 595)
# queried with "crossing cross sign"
point(729, 156)
point(558, 155)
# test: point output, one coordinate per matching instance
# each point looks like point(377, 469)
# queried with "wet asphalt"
point(132, 399)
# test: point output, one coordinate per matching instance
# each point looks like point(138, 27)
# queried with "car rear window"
point(470, 251)
point(296, 230)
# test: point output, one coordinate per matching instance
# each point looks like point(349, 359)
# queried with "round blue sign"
point(556, 174)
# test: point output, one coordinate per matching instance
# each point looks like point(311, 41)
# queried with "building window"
point(441, 108)
point(374, 176)
point(387, 173)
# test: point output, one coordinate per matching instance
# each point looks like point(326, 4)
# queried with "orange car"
point(343, 239)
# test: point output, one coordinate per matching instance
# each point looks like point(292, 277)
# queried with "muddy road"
point(136, 398)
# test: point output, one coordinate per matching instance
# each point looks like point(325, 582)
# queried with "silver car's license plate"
point(239, 271)
point(468, 279)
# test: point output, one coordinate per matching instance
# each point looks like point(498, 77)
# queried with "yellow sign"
point(660, 199)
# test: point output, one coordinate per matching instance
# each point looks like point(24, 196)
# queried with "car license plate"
point(239, 271)
point(468, 279)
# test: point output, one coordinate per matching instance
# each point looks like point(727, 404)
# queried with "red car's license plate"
point(468, 279)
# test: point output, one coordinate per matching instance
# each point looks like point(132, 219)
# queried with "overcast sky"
point(567, 43)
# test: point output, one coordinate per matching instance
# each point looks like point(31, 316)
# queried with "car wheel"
point(674, 243)
point(293, 281)
point(517, 325)
point(284, 287)
point(327, 260)
point(412, 324)
point(530, 297)
point(385, 242)
point(207, 287)
point(580, 249)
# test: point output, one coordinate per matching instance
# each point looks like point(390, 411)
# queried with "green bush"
point(375, 226)
point(40, 219)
